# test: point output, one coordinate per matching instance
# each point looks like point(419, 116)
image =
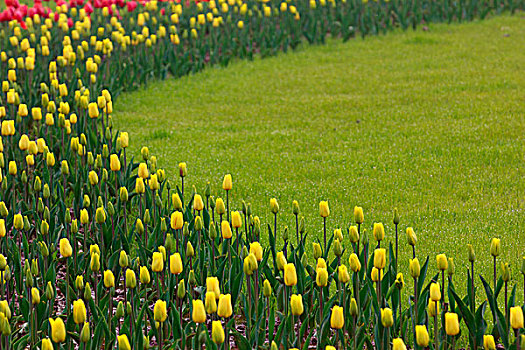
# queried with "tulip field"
point(102, 248)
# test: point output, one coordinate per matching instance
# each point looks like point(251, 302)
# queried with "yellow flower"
point(139, 185)
point(435, 292)
point(131, 279)
point(212, 285)
point(322, 277)
point(495, 247)
point(342, 274)
point(355, 264)
point(58, 330)
point(177, 220)
point(65, 248)
point(451, 323)
point(296, 303)
point(414, 268)
point(236, 219)
point(240, 24)
point(376, 275)
point(488, 342)
point(442, 262)
point(290, 276)
point(46, 344)
point(199, 312)
point(516, 317)
point(321, 263)
point(224, 309)
point(380, 258)
point(176, 264)
point(226, 230)
point(114, 162)
point(256, 249)
point(379, 231)
point(359, 217)
point(144, 275)
point(198, 204)
point(160, 312)
point(422, 336)
point(433, 308)
point(79, 311)
point(281, 261)
point(217, 332)
point(411, 236)
point(274, 206)
point(387, 319)
point(124, 140)
point(324, 211)
point(23, 144)
point(18, 222)
point(35, 296)
point(337, 320)
point(398, 344)
point(93, 110)
point(158, 262)
point(143, 172)
point(123, 342)
point(210, 303)
point(109, 279)
point(227, 182)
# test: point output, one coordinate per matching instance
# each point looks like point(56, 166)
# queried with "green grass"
point(430, 122)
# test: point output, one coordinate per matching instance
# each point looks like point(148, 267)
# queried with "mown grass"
point(430, 122)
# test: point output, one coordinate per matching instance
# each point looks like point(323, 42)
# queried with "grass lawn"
point(431, 122)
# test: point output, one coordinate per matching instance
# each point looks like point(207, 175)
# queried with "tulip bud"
point(321, 277)
point(337, 320)
point(296, 303)
point(358, 215)
point(295, 207)
point(452, 324)
point(354, 235)
point(398, 344)
point(50, 292)
point(516, 317)
point(355, 264)
point(414, 268)
point(317, 250)
point(191, 278)
point(85, 334)
point(131, 279)
point(422, 337)
point(379, 231)
point(396, 217)
point(217, 332)
point(471, 254)
point(324, 211)
point(442, 262)
point(338, 248)
point(380, 258)
point(123, 259)
point(387, 319)
point(435, 292)
point(224, 308)
point(267, 288)
point(495, 247)
point(451, 267)
point(411, 236)
point(87, 292)
point(354, 311)
point(181, 289)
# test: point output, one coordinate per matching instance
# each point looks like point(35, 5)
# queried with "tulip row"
point(121, 49)
point(98, 250)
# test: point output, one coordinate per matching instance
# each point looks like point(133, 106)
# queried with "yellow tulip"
point(123, 342)
point(451, 323)
point(177, 220)
point(290, 276)
point(224, 308)
point(256, 249)
point(35, 296)
point(160, 312)
point(114, 162)
point(58, 330)
point(199, 312)
point(158, 262)
point(387, 319)
point(217, 332)
point(422, 337)
point(212, 285)
point(296, 303)
point(379, 231)
point(380, 258)
point(281, 261)
point(227, 182)
point(65, 248)
point(442, 262)
point(176, 264)
point(337, 320)
point(516, 317)
point(144, 275)
point(210, 303)
point(398, 344)
point(488, 342)
point(46, 344)
point(435, 292)
point(198, 204)
point(226, 230)
point(109, 279)
point(324, 210)
point(359, 217)
point(79, 311)
point(321, 277)
point(236, 219)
